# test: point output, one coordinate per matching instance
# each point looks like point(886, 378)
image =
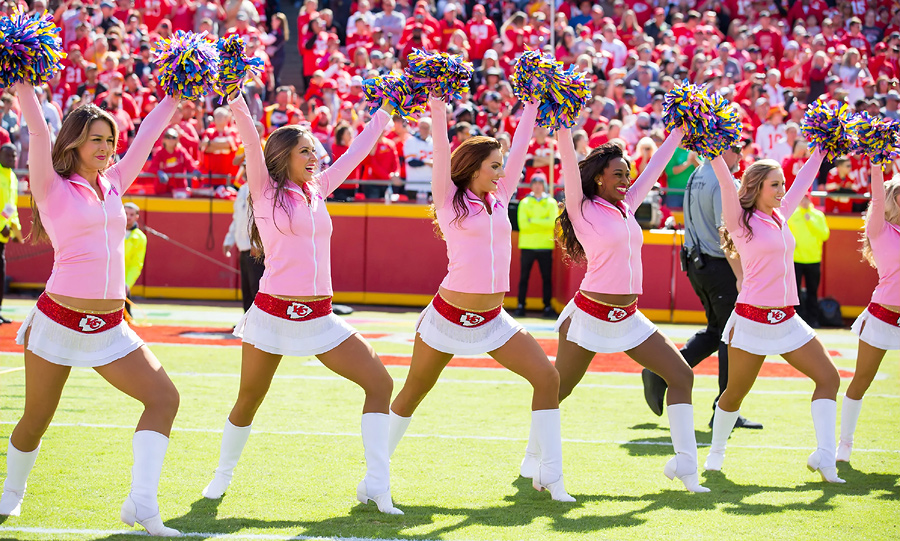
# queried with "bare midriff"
point(609, 298)
point(892, 308)
point(472, 301)
point(89, 305)
point(303, 299)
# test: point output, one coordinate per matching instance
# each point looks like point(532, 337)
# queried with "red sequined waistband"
point(462, 317)
point(78, 321)
point(890, 317)
point(292, 310)
point(769, 316)
point(604, 312)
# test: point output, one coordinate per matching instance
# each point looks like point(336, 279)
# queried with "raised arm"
point(335, 175)
point(127, 169)
point(804, 180)
point(442, 188)
point(518, 150)
point(731, 204)
point(875, 221)
point(571, 175)
point(257, 173)
point(40, 164)
point(641, 187)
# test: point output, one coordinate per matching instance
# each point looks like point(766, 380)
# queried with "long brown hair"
point(278, 150)
point(465, 162)
point(751, 186)
point(891, 214)
point(73, 133)
point(591, 169)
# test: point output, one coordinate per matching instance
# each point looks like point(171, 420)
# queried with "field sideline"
point(455, 474)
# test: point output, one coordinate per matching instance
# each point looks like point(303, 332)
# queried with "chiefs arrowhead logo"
point(470, 320)
point(91, 323)
point(617, 314)
point(775, 316)
point(298, 310)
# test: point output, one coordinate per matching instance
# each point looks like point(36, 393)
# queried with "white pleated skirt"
point(448, 337)
point(765, 339)
point(604, 336)
point(64, 346)
point(875, 332)
point(296, 338)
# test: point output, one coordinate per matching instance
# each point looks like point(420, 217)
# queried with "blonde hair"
point(891, 214)
point(751, 185)
point(74, 132)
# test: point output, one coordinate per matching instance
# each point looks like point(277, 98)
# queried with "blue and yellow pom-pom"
point(833, 130)
point(234, 66)
point(711, 124)
point(439, 74)
point(567, 93)
point(532, 75)
point(397, 91)
point(30, 48)
point(188, 64)
point(879, 138)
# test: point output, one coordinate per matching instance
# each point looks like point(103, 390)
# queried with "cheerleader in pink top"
point(471, 191)
point(598, 226)
point(291, 314)
point(878, 327)
point(763, 322)
point(78, 321)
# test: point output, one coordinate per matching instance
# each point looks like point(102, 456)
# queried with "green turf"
point(298, 474)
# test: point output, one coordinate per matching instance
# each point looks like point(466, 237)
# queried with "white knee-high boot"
point(684, 464)
point(396, 430)
point(824, 414)
point(723, 424)
point(532, 458)
point(850, 410)
point(149, 452)
point(376, 485)
point(545, 424)
point(234, 438)
point(18, 466)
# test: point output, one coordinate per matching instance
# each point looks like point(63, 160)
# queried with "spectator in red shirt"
point(382, 163)
point(182, 15)
point(767, 37)
point(154, 11)
point(448, 25)
point(481, 32)
point(73, 67)
point(113, 104)
point(855, 39)
point(792, 164)
point(169, 161)
point(684, 32)
point(219, 146)
point(540, 152)
point(839, 182)
point(343, 136)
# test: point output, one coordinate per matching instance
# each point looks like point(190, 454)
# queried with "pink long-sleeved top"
point(884, 238)
point(87, 232)
point(610, 234)
point(297, 240)
point(767, 258)
point(480, 247)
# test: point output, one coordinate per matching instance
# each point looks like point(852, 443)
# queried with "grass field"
point(456, 472)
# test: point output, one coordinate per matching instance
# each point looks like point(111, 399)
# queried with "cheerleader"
point(78, 320)
point(878, 327)
point(291, 314)
point(471, 191)
point(763, 322)
point(598, 225)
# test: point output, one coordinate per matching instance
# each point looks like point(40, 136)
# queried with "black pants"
point(2, 271)
point(251, 273)
point(809, 303)
point(716, 286)
point(544, 259)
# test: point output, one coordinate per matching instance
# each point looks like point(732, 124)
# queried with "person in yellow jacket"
point(537, 218)
point(810, 232)
point(10, 229)
point(135, 250)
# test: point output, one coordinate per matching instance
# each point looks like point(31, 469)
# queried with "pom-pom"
point(188, 65)
point(397, 91)
point(439, 74)
point(567, 93)
point(30, 48)
point(234, 66)
point(711, 124)
point(531, 76)
point(832, 130)
point(879, 138)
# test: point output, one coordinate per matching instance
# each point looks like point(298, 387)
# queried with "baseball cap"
point(356, 80)
point(893, 95)
point(242, 16)
point(490, 53)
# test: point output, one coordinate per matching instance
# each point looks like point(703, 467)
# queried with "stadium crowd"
point(772, 59)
